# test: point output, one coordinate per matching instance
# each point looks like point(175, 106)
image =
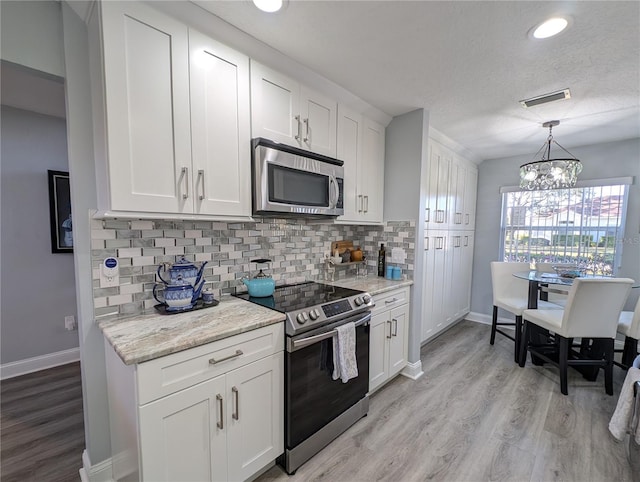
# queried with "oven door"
point(286, 182)
point(312, 397)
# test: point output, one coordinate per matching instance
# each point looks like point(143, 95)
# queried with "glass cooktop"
point(289, 298)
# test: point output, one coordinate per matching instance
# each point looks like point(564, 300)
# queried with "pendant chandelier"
point(550, 173)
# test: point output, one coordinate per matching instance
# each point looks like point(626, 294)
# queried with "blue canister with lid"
point(389, 272)
point(397, 273)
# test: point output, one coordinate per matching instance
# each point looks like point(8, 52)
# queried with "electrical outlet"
point(70, 322)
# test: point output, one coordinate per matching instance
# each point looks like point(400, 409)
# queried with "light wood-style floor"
point(476, 416)
point(42, 426)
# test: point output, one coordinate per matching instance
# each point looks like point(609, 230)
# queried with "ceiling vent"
point(543, 99)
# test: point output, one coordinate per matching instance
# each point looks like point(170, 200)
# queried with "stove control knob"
point(358, 301)
point(314, 314)
point(302, 318)
point(366, 299)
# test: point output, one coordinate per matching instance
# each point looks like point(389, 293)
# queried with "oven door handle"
point(303, 342)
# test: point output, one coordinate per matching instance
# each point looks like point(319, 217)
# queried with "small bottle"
point(382, 260)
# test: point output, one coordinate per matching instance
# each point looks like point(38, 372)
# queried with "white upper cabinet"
point(220, 127)
point(146, 96)
point(284, 111)
point(361, 147)
point(439, 167)
point(175, 118)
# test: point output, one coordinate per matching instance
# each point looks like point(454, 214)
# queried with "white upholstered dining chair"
point(629, 327)
point(510, 294)
point(592, 311)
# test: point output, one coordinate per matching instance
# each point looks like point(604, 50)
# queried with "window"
point(583, 225)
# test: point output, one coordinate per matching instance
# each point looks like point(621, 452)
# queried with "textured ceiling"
point(469, 63)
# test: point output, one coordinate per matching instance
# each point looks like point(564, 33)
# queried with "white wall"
point(38, 287)
point(32, 35)
point(615, 159)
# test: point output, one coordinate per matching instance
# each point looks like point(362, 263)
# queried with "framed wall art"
point(60, 212)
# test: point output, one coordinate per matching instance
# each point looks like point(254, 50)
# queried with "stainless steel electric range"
point(318, 408)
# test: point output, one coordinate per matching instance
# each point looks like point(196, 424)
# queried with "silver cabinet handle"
point(360, 196)
point(220, 424)
point(201, 176)
point(395, 327)
point(388, 302)
point(458, 218)
point(426, 243)
point(366, 209)
point(466, 219)
point(298, 134)
point(466, 240)
point(213, 361)
point(390, 329)
point(306, 135)
point(185, 176)
point(428, 212)
point(439, 242)
point(439, 215)
point(236, 415)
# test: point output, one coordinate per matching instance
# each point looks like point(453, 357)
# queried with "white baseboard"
point(413, 370)
point(30, 365)
point(100, 472)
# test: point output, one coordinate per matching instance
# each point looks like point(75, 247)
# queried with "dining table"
point(539, 283)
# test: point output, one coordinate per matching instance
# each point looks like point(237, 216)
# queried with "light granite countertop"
point(373, 285)
point(140, 338)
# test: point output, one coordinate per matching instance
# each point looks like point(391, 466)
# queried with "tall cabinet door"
point(437, 209)
point(255, 401)
point(378, 349)
point(318, 114)
point(349, 150)
point(470, 195)
point(371, 173)
point(146, 75)
point(184, 435)
point(221, 131)
point(436, 282)
point(275, 112)
point(398, 346)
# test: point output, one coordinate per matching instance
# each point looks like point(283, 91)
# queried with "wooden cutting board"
point(341, 246)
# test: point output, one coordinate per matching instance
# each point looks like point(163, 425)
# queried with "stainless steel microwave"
point(292, 181)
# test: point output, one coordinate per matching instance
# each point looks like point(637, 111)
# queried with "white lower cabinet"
point(448, 262)
point(227, 427)
point(388, 337)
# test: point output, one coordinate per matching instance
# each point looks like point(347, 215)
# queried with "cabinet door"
point(181, 436)
point(455, 299)
point(457, 179)
point(398, 343)
point(349, 148)
point(275, 112)
point(371, 170)
point(437, 215)
point(470, 195)
point(255, 404)
point(146, 76)
point(220, 127)
point(379, 349)
point(440, 280)
point(467, 271)
point(428, 289)
point(319, 115)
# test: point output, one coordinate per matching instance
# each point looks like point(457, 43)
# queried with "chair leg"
point(524, 342)
point(608, 369)
point(518, 337)
point(562, 360)
point(630, 351)
point(494, 325)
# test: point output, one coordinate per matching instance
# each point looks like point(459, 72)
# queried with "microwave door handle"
point(335, 194)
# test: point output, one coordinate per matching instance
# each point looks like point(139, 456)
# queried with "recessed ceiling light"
point(550, 27)
point(269, 6)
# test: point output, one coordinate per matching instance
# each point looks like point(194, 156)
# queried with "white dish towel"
point(621, 419)
point(345, 364)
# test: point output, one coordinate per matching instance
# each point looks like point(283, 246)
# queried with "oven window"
point(313, 398)
point(292, 186)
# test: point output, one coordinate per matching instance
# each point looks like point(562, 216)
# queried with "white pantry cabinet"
point(389, 341)
point(210, 413)
point(361, 147)
point(448, 262)
point(285, 111)
point(172, 118)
